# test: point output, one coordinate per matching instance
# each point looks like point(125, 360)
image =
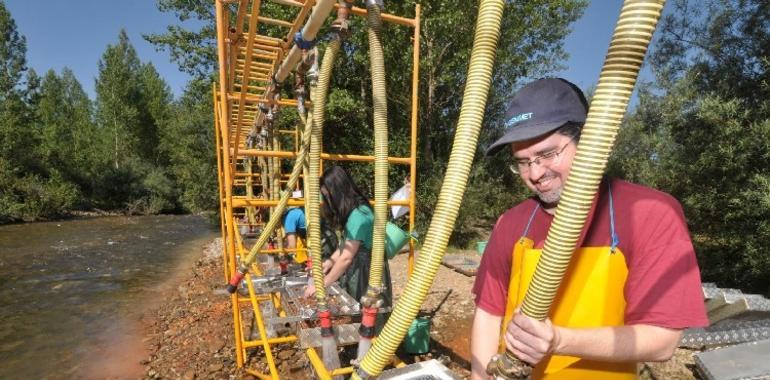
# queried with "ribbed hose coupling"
point(372, 298)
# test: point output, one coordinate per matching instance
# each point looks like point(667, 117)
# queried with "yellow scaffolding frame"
point(248, 63)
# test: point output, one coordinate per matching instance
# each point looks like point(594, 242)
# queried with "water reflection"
point(67, 287)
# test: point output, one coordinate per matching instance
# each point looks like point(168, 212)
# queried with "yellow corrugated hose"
point(630, 40)
point(380, 108)
point(313, 200)
point(450, 197)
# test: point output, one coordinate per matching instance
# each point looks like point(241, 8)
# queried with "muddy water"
point(72, 292)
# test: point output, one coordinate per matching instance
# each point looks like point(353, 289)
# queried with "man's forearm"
point(485, 338)
point(633, 343)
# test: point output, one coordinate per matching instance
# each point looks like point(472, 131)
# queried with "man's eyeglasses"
point(546, 159)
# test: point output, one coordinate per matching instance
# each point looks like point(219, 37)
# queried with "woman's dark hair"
point(344, 196)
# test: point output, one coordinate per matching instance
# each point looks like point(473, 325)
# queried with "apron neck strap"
point(529, 222)
point(613, 235)
point(614, 239)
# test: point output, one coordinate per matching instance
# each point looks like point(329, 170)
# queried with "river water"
point(72, 292)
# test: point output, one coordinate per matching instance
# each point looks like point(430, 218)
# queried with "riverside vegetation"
point(699, 130)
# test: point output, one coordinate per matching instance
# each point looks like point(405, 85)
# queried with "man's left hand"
point(529, 339)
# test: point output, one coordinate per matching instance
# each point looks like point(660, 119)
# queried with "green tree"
point(14, 137)
point(133, 106)
point(118, 99)
point(13, 48)
point(530, 46)
point(194, 51)
point(67, 131)
point(155, 111)
point(701, 133)
point(27, 190)
point(188, 142)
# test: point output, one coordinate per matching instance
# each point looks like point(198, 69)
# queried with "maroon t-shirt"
point(663, 287)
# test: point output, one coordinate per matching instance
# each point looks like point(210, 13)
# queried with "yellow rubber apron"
point(591, 295)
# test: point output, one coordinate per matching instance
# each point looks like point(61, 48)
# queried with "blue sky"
point(75, 33)
point(588, 42)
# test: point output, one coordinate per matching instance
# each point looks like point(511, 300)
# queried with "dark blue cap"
point(541, 107)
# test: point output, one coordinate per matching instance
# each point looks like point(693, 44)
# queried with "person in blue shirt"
point(296, 232)
point(295, 229)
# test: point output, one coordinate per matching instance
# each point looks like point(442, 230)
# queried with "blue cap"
point(539, 108)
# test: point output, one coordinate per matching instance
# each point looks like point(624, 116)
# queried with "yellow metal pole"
point(225, 128)
point(318, 365)
point(238, 31)
point(240, 201)
point(220, 184)
point(324, 156)
point(342, 371)
point(261, 328)
point(279, 340)
point(413, 145)
point(281, 102)
point(385, 16)
point(255, 7)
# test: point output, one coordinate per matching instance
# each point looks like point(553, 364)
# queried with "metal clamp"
point(302, 43)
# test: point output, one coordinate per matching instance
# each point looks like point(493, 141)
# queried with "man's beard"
point(550, 197)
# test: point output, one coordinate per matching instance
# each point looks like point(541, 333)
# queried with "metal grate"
point(427, 370)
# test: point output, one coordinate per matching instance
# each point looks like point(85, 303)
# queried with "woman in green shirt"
point(345, 208)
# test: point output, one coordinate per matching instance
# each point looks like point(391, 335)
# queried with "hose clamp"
point(302, 43)
point(362, 374)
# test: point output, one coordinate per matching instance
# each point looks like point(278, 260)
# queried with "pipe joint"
point(312, 73)
point(340, 25)
point(368, 322)
point(325, 320)
point(235, 281)
point(360, 372)
point(233, 37)
point(507, 367)
point(372, 298)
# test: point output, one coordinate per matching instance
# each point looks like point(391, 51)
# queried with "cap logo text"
point(518, 118)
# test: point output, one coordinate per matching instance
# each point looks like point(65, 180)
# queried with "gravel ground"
point(190, 334)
